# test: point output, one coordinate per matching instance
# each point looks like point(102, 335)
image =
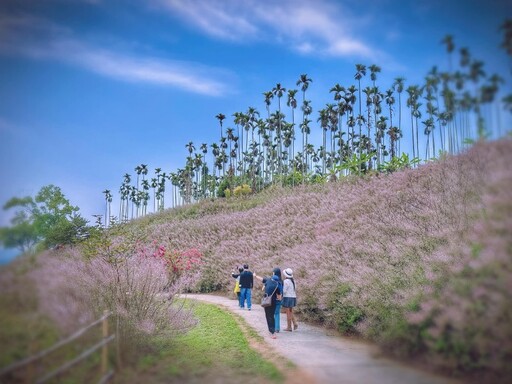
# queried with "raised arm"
point(260, 278)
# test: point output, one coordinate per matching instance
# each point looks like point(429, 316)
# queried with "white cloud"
point(188, 76)
point(308, 27)
point(220, 19)
point(40, 39)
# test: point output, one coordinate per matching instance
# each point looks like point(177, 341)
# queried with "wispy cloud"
point(188, 76)
point(40, 39)
point(308, 27)
point(224, 19)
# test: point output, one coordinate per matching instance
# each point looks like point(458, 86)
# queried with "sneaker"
point(248, 309)
point(273, 336)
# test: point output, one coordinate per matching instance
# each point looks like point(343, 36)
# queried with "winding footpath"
point(327, 358)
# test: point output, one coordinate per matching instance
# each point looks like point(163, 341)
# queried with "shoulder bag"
point(266, 300)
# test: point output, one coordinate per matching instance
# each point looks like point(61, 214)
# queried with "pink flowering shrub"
point(131, 281)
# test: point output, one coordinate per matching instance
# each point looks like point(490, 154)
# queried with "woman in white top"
point(289, 299)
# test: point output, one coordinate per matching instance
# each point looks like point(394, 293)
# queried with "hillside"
point(418, 261)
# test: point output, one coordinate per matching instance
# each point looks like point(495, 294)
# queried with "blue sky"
point(91, 89)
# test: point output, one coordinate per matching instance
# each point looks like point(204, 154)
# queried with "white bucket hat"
point(288, 272)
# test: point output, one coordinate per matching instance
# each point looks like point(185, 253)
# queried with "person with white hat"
point(289, 299)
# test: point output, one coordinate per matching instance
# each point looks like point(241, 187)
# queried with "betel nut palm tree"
point(304, 82)
point(360, 73)
point(450, 99)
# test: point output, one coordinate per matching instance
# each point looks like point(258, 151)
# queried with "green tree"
point(21, 234)
point(47, 219)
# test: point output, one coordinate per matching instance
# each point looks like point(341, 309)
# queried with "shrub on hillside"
point(242, 190)
point(131, 280)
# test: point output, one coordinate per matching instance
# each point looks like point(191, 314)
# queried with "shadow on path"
point(327, 358)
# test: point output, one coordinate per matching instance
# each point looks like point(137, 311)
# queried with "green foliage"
point(21, 236)
point(242, 190)
point(48, 219)
point(355, 164)
point(233, 186)
point(398, 163)
point(225, 184)
point(318, 179)
point(67, 231)
point(100, 244)
point(344, 313)
point(297, 178)
point(476, 249)
point(208, 282)
point(291, 179)
point(309, 309)
point(404, 339)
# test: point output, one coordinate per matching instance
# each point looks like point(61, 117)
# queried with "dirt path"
point(327, 358)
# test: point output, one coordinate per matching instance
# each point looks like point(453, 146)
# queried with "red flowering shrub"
point(178, 262)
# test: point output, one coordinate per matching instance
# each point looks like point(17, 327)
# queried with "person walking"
point(277, 315)
point(289, 299)
point(246, 284)
point(236, 276)
point(272, 289)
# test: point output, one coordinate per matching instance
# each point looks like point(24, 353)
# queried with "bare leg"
point(288, 319)
point(295, 325)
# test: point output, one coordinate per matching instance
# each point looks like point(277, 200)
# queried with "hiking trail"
point(325, 357)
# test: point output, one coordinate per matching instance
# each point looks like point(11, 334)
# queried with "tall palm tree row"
point(453, 107)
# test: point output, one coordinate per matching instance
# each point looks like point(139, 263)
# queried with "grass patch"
point(24, 331)
point(22, 334)
point(215, 350)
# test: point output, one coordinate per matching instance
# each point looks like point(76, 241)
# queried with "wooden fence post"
point(104, 349)
point(118, 340)
point(30, 368)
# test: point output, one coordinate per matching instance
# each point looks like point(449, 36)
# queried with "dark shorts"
point(289, 302)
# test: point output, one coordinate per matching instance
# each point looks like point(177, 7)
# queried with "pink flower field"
point(418, 261)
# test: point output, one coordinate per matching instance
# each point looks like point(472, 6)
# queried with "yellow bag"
point(237, 287)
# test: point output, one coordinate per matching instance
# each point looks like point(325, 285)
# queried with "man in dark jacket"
point(246, 283)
